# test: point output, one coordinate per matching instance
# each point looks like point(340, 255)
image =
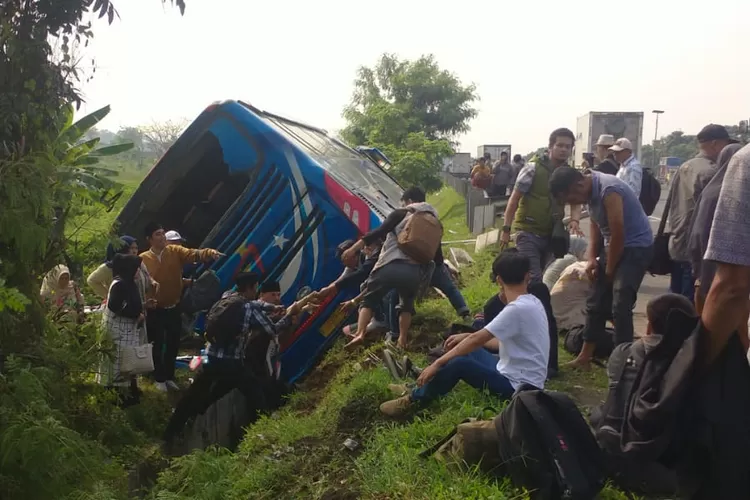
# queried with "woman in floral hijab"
point(62, 294)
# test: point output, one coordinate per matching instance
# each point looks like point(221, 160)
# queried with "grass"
point(299, 453)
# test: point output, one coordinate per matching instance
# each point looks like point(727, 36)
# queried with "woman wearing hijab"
point(123, 321)
point(101, 278)
point(61, 293)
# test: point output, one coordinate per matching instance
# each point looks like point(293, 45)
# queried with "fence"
point(480, 210)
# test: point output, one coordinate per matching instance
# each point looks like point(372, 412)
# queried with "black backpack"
point(225, 319)
point(547, 447)
point(650, 192)
point(692, 418)
point(638, 476)
point(206, 290)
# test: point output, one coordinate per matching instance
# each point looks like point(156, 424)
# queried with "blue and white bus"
point(276, 196)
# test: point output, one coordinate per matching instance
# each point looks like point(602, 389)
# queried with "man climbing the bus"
point(412, 237)
point(242, 343)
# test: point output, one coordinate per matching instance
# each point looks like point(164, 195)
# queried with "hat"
point(714, 132)
point(173, 236)
point(270, 286)
point(606, 140)
point(622, 144)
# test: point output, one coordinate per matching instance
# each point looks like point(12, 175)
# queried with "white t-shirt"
point(523, 332)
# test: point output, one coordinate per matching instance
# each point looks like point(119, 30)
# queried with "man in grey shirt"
point(687, 185)
point(724, 310)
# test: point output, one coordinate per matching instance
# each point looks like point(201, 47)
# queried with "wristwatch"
point(506, 229)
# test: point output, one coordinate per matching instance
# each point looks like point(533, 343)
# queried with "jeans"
point(682, 281)
point(164, 328)
point(478, 369)
point(218, 378)
point(441, 280)
point(536, 248)
point(617, 297)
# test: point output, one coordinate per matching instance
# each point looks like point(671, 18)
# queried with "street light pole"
point(657, 112)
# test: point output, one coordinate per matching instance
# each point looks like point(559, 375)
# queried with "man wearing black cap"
point(687, 185)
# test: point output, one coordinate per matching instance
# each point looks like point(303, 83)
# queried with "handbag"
point(661, 264)
point(137, 360)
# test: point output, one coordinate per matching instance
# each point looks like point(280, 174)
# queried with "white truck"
point(458, 164)
point(494, 150)
point(618, 124)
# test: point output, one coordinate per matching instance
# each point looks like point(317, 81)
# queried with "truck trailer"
point(458, 164)
point(494, 150)
point(618, 124)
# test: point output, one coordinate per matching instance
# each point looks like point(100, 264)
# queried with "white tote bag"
point(137, 360)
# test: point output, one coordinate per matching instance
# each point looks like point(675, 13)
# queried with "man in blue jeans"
point(519, 334)
point(441, 279)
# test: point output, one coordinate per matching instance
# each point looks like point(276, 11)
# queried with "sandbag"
point(569, 296)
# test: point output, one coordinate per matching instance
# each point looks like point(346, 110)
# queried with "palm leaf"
point(114, 149)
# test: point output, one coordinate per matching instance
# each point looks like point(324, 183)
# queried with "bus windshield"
point(357, 171)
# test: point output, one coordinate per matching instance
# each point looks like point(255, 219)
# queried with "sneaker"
point(392, 365)
point(398, 389)
point(172, 385)
point(396, 407)
point(160, 386)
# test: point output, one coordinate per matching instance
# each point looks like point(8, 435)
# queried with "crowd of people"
point(551, 281)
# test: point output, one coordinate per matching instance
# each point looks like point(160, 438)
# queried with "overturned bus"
point(276, 197)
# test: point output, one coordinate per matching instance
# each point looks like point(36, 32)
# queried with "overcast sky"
point(537, 64)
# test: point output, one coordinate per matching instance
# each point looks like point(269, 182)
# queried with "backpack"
point(206, 290)
point(650, 192)
point(421, 236)
point(547, 447)
point(643, 477)
point(695, 421)
point(481, 180)
point(225, 319)
point(472, 443)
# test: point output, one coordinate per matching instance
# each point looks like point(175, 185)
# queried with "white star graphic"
point(279, 240)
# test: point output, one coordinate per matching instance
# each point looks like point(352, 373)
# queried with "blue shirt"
point(637, 227)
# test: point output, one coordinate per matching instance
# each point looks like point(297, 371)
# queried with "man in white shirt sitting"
point(520, 335)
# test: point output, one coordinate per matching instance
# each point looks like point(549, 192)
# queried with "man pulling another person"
point(617, 273)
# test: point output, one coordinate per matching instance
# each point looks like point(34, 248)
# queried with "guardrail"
point(481, 212)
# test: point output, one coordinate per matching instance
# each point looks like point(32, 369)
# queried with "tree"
point(158, 137)
point(679, 145)
point(413, 111)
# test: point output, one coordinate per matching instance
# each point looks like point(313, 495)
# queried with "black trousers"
point(616, 299)
point(216, 380)
point(541, 292)
point(164, 328)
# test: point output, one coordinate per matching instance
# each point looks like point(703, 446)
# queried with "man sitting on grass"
point(519, 334)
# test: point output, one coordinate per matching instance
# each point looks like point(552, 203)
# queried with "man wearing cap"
point(606, 158)
point(630, 171)
point(687, 185)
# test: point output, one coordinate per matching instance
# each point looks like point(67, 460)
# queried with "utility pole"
point(657, 112)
